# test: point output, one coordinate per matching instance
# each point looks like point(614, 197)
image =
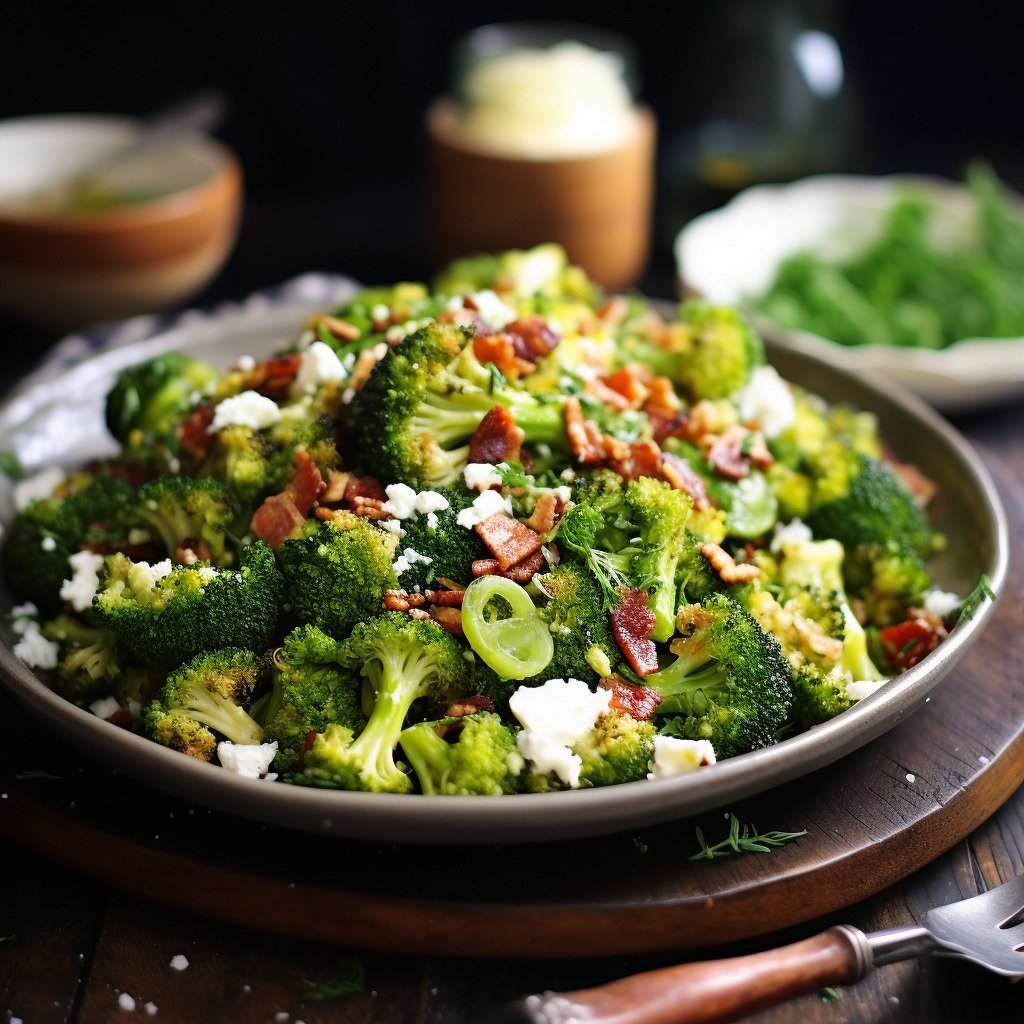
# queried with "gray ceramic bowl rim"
point(519, 818)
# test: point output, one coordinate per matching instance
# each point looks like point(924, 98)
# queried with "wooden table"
point(75, 949)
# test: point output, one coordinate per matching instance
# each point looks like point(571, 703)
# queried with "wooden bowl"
point(63, 267)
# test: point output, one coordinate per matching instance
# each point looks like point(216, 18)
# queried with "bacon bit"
point(341, 329)
point(446, 598)
point(637, 701)
point(906, 643)
point(546, 513)
point(122, 717)
point(305, 484)
point(632, 625)
point(644, 458)
point(500, 349)
point(364, 487)
point(420, 613)
point(614, 309)
point(497, 438)
point(334, 487)
point(524, 571)
point(603, 393)
point(276, 520)
point(725, 452)
point(369, 508)
point(728, 569)
point(307, 746)
point(680, 475)
point(272, 377)
point(626, 383)
point(532, 337)
point(584, 436)
point(921, 487)
point(363, 367)
point(449, 619)
point(507, 538)
point(485, 567)
point(662, 399)
point(194, 432)
point(192, 550)
point(401, 601)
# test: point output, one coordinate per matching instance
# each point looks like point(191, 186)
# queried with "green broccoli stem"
point(222, 715)
point(541, 422)
point(429, 755)
point(682, 683)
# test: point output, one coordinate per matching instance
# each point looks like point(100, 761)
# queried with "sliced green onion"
point(517, 645)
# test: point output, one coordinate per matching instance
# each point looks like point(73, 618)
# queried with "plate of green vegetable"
point(917, 278)
point(501, 559)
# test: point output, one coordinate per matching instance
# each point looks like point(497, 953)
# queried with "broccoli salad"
point(505, 534)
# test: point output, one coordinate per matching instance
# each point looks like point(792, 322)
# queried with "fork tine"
point(1005, 901)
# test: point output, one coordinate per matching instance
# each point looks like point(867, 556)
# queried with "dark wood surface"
point(597, 910)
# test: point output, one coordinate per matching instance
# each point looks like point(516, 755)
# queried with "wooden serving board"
point(871, 820)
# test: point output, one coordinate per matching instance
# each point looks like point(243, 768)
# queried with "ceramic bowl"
point(168, 227)
point(731, 254)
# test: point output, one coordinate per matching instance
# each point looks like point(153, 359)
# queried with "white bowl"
point(730, 255)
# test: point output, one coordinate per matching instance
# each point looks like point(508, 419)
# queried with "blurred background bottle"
point(776, 103)
point(541, 139)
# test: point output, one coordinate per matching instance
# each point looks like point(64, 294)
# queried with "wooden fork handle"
point(711, 992)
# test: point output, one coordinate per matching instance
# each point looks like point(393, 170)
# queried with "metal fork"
point(987, 930)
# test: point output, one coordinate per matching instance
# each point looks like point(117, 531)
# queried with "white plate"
point(731, 254)
point(58, 419)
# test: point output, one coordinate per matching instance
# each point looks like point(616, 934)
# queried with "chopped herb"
point(828, 995)
point(35, 773)
point(742, 839)
point(973, 601)
point(10, 465)
point(498, 380)
point(639, 843)
point(349, 981)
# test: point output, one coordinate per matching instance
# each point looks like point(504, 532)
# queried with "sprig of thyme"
point(742, 839)
point(970, 604)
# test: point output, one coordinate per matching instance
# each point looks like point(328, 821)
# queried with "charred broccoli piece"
point(204, 700)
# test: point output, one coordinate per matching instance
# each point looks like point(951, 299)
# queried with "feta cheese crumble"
point(790, 534)
point(320, 365)
point(39, 485)
point(85, 580)
point(179, 962)
point(105, 707)
point(482, 508)
point(407, 559)
point(674, 756)
point(34, 649)
point(494, 312)
point(251, 760)
point(861, 688)
point(249, 409)
point(767, 401)
point(941, 602)
point(554, 716)
point(481, 476)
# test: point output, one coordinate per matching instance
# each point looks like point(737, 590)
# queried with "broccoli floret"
point(404, 302)
point(203, 700)
point(818, 695)
point(885, 580)
point(89, 511)
point(336, 573)
point(482, 760)
point(239, 457)
point(730, 682)
point(148, 401)
point(618, 749)
point(414, 417)
point(165, 619)
point(584, 647)
point(875, 509)
point(402, 660)
point(90, 659)
point(185, 511)
point(451, 548)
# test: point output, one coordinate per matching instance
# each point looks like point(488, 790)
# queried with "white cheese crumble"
point(320, 365)
point(48, 544)
point(34, 649)
point(791, 533)
point(251, 760)
point(85, 579)
point(392, 526)
point(861, 688)
point(482, 508)
point(766, 401)
point(21, 616)
point(401, 502)
point(493, 311)
point(674, 756)
point(126, 1002)
point(179, 962)
point(481, 476)
point(554, 716)
point(39, 485)
point(407, 559)
point(249, 409)
point(245, 363)
point(911, 778)
point(105, 707)
point(941, 602)
point(428, 502)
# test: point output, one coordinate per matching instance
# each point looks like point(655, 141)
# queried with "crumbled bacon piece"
point(680, 475)
point(194, 432)
point(363, 367)
point(726, 453)
point(273, 377)
point(449, 619)
point(276, 520)
point(524, 571)
point(532, 337)
point(637, 701)
point(305, 484)
point(584, 436)
point(921, 487)
point(341, 329)
point(614, 309)
point(643, 458)
point(420, 613)
point(497, 439)
point(364, 487)
point(469, 706)
point(728, 569)
point(546, 513)
point(627, 384)
point(500, 350)
point(598, 389)
point(485, 567)
point(446, 598)
point(507, 538)
point(632, 624)
point(401, 601)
